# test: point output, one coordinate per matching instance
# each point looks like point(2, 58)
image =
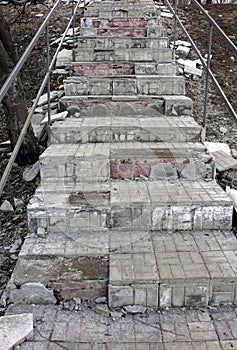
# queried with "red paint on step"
point(119, 32)
point(128, 23)
point(131, 168)
point(94, 70)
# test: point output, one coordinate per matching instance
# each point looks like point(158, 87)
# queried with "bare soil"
point(14, 225)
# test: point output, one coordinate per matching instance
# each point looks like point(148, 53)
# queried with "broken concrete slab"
point(14, 329)
point(44, 98)
point(31, 172)
point(217, 146)
point(162, 171)
point(224, 161)
point(182, 51)
point(193, 171)
point(57, 116)
point(6, 206)
point(64, 58)
point(31, 293)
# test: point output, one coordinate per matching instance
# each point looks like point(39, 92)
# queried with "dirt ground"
point(13, 226)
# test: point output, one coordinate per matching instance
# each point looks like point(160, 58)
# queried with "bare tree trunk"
point(14, 103)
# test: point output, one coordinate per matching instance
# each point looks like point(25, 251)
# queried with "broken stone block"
point(193, 171)
point(31, 293)
point(18, 202)
point(44, 98)
point(64, 58)
point(6, 206)
point(102, 310)
point(101, 300)
point(182, 51)
point(14, 329)
point(163, 171)
point(135, 309)
point(54, 117)
point(31, 172)
point(41, 232)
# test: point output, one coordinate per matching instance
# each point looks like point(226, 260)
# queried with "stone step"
point(151, 32)
point(120, 42)
point(130, 205)
point(133, 106)
point(184, 269)
point(130, 23)
point(125, 129)
point(122, 10)
point(100, 69)
point(155, 55)
point(71, 164)
point(125, 85)
point(145, 268)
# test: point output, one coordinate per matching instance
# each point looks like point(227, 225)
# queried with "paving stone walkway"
point(85, 329)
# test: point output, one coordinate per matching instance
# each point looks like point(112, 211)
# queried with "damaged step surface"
point(151, 32)
point(122, 68)
point(122, 42)
point(130, 85)
point(147, 55)
point(144, 268)
point(130, 205)
point(184, 269)
point(130, 23)
point(104, 161)
point(92, 106)
point(122, 10)
point(125, 129)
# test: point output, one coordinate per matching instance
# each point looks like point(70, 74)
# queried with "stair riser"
point(200, 293)
point(130, 23)
point(76, 170)
point(99, 70)
point(160, 85)
point(128, 55)
point(123, 134)
point(152, 32)
point(116, 43)
point(168, 218)
point(124, 13)
point(89, 107)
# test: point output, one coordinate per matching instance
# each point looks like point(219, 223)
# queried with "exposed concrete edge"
point(14, 329)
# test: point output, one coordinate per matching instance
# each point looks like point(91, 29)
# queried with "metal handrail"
point(13, 75)
point(206, 63)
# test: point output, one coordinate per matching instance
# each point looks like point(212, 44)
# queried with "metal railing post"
point(207, 74)
point(11, 78)
point(73, 24)
point(175, 27)
point(47, 71)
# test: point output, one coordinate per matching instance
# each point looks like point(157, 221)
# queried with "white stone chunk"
point(14, 329)
point(167, 14)
point(58, 116)
point(64, 58)
point(192, 70)
point(6, 206)
point(182, 51)
point(217, 146)
point(44, 98)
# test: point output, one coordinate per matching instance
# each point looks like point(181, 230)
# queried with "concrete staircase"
point(128, 206)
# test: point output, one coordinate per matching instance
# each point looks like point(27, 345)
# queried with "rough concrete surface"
point(14, 329)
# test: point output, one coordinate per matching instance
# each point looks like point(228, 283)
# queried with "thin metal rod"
point(207, 73)
point(47, 71)
point(28, 119)
point(216, 26)
point(73, 23)
point(214, 80)
point(26, 54)
point(175, 27)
